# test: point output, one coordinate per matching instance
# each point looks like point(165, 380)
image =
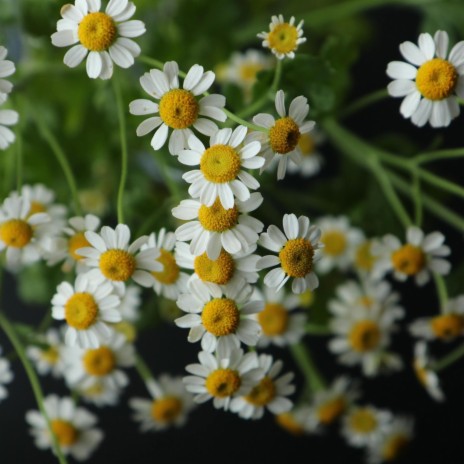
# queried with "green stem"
point(315, 329)
point(124, 154)
point(303, 358)
point(61, 158)
point(142, 368)
point(417, 197)
point(151, 62)
point(239, 120)
point(34, 381)
point(19, 160)
point(363, 102)
point(438, 155)
point(441, 290)
point(449, 359)
point(439, 182)
point(172, 185)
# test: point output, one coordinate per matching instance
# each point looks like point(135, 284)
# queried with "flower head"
point(102, 37)
point(48, 358)
point(426, 376)
point(6, 376)
point(7, 118)
point(7, 68)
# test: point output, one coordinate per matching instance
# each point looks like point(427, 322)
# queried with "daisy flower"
point(103, 38)
point(85, 368)
point(100, 393)
point(426, 376)
point(87, 307)
point(221, 173)
point(169, 282)
point(365, 425)
point(48, 359)
point(7, 118)
point(280, 139)
point(393, 442)
point(73, 427)
point(7, 68)
point(363, 259)
point(6, 376)
point(217, 227)
point(339, 239)
point(21, 234)
point(298, 250)
point(283, 38)
point(430, 82)
point(294, 421)
point(221, 271)
point(279, 325)
point(112, 257)
point(169, 405)
point(446, 326)
point(42, 200)
point(331, 403)
point(311, 158)
point(270, 392)
point(418, 257)
point(223, 376)
point(178, 109)
point(219, 317)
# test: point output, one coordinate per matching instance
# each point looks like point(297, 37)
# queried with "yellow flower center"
point(283, 38)
point(288, 422)
point(248, 72)
point(394, 447)
point(99, 362)
point(170, 272)
point(220, 316)
point(81, 311)
point(127, 329)
point(408, 259)
point(296, 257)
point(94, 390)
point(306, 298)
point(218, 271)
point(222, 383)
point(75, 242)
point(15, 233)
point(447, 326)
point(421, 373)
point(364, 336)
point(436, 79)
point(306, 145)
point(366, 302)
point(166, 410)
point(284, 135)
point(273, 319)
point(263, 393)
point(50, 355)
point(220, 163)
point(334, 242)
point(116, 264)
point(97, 31)
point(65, 432)
point(363, 258)
point(179, 108)
point(363, 421)
point(36, 207)
point(217, 219)
point(330, 410)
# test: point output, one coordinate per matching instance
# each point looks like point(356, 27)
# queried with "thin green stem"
point(124, 153)
point(438, 155)
point(34, 381)
point(364, 102)
point(48, 136)
point(151, 61)
point(244, 122)
point(277, 77)
point(449, 359)
point(302, 356)
point(439, 182)
point(19, 159)
point(417, 197)
point(442, 292)
point(315, 329)
point(171, 183)
point(142, 368)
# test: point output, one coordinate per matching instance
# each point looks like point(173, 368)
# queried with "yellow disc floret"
point(99, 362)
point(178, 108)
point(166, 410)
point(330, 410)
point(15, 233)
point(284, 135)
point(36, 207)
point(263, 393)
point(421, 372)
point(394, 447)
point(65, 432)
point(273, 319)
point(75, 242)
point(81, 311)
point(364, 259)
point(97, 31)
point(220, 163)
point(364, 336)
point(436, 79)
point(170, 272)
point(296, 257)
point(220, 316)
point(248, 72)
point(50, 355)
point(334, 242)
point(217, 219)
point(447, 326)
point(116, 264)
point(222, 383)
point(283, 38)
point(363, 421)
point(288, 422)
point(218, 271)
point(408, 259)
point(306, 145)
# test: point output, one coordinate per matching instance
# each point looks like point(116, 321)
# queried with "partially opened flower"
point(179, 109)
point(102, 37)
point(430, 82)
point(7, 68)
